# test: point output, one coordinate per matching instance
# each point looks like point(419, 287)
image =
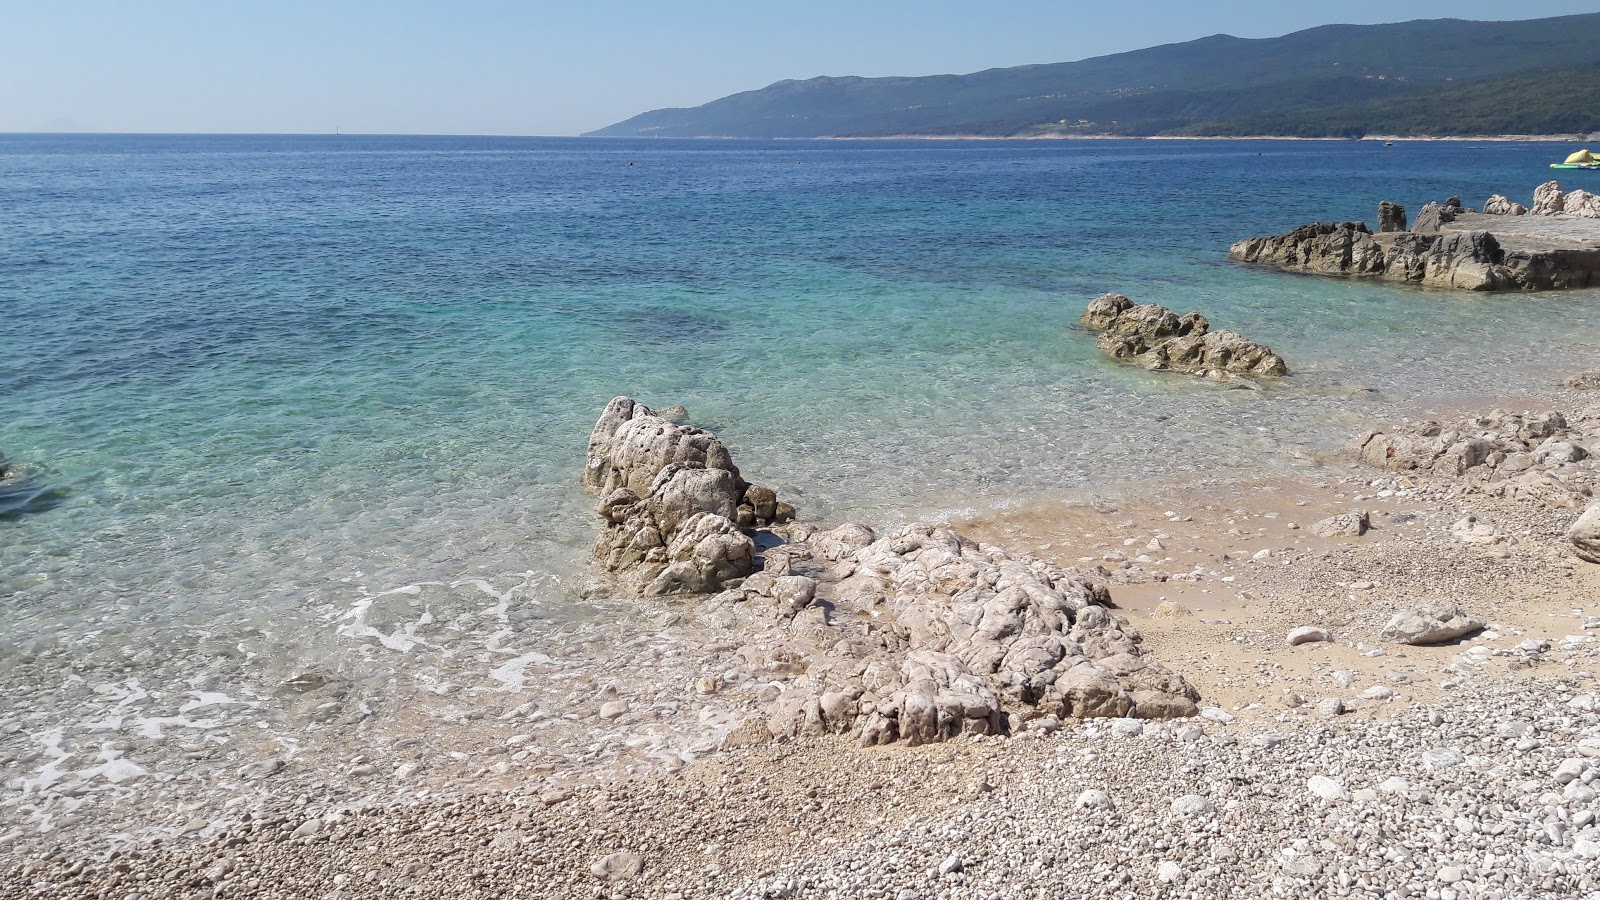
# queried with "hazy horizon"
point(494, 68)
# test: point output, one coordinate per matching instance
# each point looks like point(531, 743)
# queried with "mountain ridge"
point(1166, 89)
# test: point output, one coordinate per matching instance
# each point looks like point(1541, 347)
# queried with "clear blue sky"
point(535, 67)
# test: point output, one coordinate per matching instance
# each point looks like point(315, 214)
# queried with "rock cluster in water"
point(1157, 338)
point(675, 506)
point(1431, 255)
point(919, 635)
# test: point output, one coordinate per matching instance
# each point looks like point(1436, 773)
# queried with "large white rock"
point(1432, 624)
point(1584, 535)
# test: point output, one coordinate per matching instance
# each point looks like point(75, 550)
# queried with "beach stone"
point(1095, 799)
point(1193, 806)
point(1307, 634)
point(1169, 871)
point(265, 768)
point(1442, 758)
point(1330, 707)
point(619, 866)
point(1350, 524)
point(1584, 534)
point(1570, 770)
point(1430, 624)
point(1326, 788)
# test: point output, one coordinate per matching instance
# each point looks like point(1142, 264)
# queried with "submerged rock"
point(920, 635)
point(1157, 338)
point(674, 503)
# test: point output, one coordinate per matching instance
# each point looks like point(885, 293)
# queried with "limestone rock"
point(1499, 205)
point(1157, 338)
point(1537, 456)
point(1548, 199)
point(1307, 634)
point(1433, 218)
point(1326, 248)
point(1432, 624)
point(939, 637)
point(1582, 204)
point(1391, 217)
point(1350, 524)
point(1584, 535)
point(674, 504)
point(619, 866)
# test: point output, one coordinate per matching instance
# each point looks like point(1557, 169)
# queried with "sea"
point(312, 410)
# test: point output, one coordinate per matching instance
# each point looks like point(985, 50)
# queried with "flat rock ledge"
point(1556, 246)
point(920, 635)
point(1159, 339)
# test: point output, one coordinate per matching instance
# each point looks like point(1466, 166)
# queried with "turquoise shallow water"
point(268, 374)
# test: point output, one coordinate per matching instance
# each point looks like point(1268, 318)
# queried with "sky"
point(558, 68)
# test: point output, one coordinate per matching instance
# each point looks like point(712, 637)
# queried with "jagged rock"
point(1157, 338)
point(631, 444)
point(1432, 624)
point(673, 503)
point(1325, 248)
point(920, 635)
point(939, 636)
point(1584, 535)
point(1538, 457)
point(1453, 203)
point(1584, 381)
point(1548, 199)
point(1391, 217)
point(1499, 205)
point(1582, 204)
point(1433, 218)
point(1351, 524)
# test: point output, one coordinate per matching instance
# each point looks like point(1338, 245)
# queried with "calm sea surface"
point(269, 378)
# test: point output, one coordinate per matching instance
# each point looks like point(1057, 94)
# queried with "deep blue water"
point(261, 371)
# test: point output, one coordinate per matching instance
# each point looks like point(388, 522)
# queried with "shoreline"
point(736, 822)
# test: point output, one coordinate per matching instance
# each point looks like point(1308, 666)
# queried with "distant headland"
point(1437, 78)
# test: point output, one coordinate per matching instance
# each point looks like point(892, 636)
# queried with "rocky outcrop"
point(934, 636)
point(674, 504)
point(1539, 457)
point(1157, 338)
point(1323, 248)
point(920, 635)
point(1434, 217)
point(1445, 250)
point(1391, 217)
point(1548, 199)
point(1499, 205)
point(1462, 260)
point(1582, 204)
